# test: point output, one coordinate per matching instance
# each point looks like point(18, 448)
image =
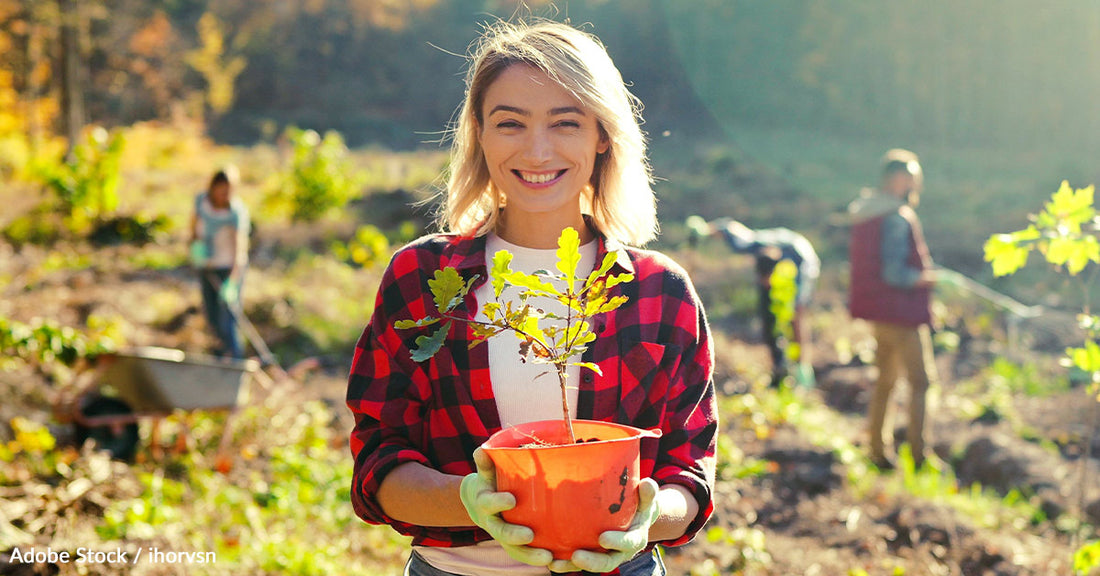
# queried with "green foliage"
point(733, 464)
point(319, 179)
point(325, 302)
point(784, 292)
point(1061, 232)
point(1026, 378)
point(45, 342)
point(32, 449)
point(368, 247)
point(1065, 233)
point(209, 60)
point(549, 344)
point(1087, 558)
point(39, 226)
point(284, 509)
point(745, 547)
point(86, 187)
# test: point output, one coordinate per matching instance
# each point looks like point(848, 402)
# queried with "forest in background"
point(1000, 73)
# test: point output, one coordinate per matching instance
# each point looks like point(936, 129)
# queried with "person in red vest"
point(892, 276)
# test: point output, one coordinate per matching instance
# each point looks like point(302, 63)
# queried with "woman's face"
point(219, 194)
point(540, 143)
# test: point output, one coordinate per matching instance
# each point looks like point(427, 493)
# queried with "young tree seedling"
point(557, 344)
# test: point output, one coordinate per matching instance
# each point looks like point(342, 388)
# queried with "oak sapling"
point(559, 345)
point(1067, 234)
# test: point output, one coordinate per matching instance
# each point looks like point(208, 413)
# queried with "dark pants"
point(643, 565)
point(218, 316)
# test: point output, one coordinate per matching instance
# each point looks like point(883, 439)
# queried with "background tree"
point(218, 70)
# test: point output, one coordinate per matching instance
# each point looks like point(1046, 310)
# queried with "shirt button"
point(587, 378)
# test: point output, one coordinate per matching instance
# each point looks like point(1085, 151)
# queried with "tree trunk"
point(72, 100)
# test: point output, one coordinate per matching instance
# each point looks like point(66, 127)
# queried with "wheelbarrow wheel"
point(119, 441)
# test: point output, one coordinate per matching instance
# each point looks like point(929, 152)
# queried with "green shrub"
point(45, 342)
point(367, 248)
point(319, 179)
point(39, 226)
point(86, 186)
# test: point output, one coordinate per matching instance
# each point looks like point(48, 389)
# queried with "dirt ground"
point(801, 514)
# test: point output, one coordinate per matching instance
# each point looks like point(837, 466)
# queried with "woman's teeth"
point(541, 178)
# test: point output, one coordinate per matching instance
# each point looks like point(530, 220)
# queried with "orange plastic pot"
point(568, 494)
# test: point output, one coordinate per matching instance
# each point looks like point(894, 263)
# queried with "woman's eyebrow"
point(566, 110)
point(506, 108)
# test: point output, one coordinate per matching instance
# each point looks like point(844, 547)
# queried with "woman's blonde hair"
point(620, 197)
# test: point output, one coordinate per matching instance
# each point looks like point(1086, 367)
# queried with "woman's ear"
point(605, 142)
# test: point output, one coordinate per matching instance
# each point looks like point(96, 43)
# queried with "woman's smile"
point(540, 179)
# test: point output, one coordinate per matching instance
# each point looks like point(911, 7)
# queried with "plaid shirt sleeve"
point(397, 420)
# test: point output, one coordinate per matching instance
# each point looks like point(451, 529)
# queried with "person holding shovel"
point(547, 138)
point(892, 277)
point(219, 254)
point(769, 246)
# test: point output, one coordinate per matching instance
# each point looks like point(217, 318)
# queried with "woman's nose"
point(539, 149)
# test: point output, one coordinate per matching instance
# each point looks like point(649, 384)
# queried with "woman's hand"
point(621, 546)
point(484, 504)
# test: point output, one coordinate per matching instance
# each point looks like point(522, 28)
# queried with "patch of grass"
point(158, 257)
point(332, 301)
point(742, 548)
point(389, 170)
point(734, 464)
point(1027, 378)
point(284, 508)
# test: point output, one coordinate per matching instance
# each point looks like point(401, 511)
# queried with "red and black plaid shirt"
point(654, 351)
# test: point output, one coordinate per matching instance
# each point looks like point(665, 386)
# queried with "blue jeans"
point(218, 316)
point(642, 565)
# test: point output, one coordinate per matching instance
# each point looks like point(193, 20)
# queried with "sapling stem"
point(559, 367)
point(565, 403)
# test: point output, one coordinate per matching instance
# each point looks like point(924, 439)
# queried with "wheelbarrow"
point(149, 382)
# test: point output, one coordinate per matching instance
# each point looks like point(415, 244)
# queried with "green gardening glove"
point(621, 546)
point(484, 504)
point(199, 254)
point(230, 291)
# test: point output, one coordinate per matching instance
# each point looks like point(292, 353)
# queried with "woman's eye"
point(508, 124)
point(569, 124)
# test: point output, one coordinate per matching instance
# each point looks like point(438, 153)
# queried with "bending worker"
point(769, 246)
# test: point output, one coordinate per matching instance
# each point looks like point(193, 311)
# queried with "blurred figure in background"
point(770, 246)
point(219, 254)
point(891, 286)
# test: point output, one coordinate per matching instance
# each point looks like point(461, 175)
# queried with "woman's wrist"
point(416, 494)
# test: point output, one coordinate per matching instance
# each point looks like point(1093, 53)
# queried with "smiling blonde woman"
point(547, 138)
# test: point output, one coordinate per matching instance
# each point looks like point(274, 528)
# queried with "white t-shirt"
point(220, 228)
point(524, 392)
